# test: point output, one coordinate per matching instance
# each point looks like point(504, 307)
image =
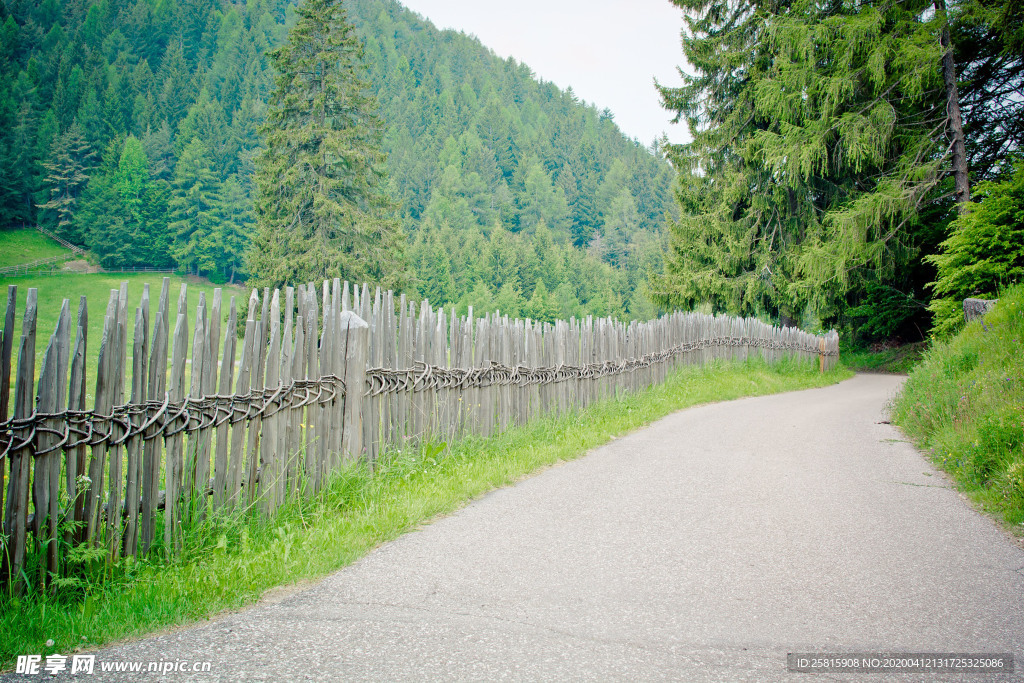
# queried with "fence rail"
point(44, 266)
point(76, 250)
point(49, 264)
point(325, 375)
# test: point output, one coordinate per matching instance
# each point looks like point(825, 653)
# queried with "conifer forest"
point(851, 164)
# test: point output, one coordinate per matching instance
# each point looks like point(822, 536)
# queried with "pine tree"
point(67, 174)
point(320, 205)
point(819, 135)
point(192, 209)
point(541, 306)
point(984, 252)
point(232, 227)
point(116, 209)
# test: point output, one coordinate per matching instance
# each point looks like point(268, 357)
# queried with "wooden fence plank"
point(227, 375)
point(355, 333)
point(134, 478)
point(16, 514)
point(272, 475)
point(194, 472)
point(104, 402)
point(6, 346)
point(404, 362)
point(46, 477)
point(115, 493)
point(313, 441)
point(286, 432)
point(76, 457)
point(175, 442)
point(256, 375)
point(156, 388)
point(297, 426)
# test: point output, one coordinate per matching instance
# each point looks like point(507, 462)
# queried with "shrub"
point(984, 252)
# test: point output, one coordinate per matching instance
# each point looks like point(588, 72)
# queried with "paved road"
point(703, 548)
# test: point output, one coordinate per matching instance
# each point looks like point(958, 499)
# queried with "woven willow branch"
point(154, 419)
point(430, 377)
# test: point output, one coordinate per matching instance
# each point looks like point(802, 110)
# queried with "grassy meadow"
point(27, 245)
point(96, 287)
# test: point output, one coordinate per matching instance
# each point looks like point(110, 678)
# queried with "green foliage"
point(321, 211)
point(473, 143)
point(984, 252)
point(192, 215)
point(67, 174)
point(900, 359)
point(124, 211)
point(964, 403)
point(816, 173)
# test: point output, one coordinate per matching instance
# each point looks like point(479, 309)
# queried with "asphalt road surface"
point(703, 548)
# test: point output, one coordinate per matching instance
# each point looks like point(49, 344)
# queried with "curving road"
point(703, 548)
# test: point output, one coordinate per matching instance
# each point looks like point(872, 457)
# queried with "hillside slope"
point(130, 126)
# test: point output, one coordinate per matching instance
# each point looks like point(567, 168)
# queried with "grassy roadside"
point(897, 360)
point(964, 406)
point(230, 562)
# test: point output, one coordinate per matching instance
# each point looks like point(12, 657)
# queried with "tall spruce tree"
point(819, 135)
point(321, 207)
point(67, 174)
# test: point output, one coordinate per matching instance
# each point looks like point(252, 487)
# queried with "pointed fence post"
point(355, 336)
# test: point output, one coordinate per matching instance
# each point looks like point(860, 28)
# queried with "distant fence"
point(76, 250)
point(323, 377)
point(44, 266)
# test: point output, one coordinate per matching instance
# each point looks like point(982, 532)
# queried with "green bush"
point(984, 252)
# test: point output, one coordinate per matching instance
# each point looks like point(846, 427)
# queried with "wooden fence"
point(321, 376)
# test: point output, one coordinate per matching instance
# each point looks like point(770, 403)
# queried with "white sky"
point(608, 51)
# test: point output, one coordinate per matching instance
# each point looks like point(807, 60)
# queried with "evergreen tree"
point(117, 209)
point(541, 306)
point(232, 227)
point(509, 300)
point(818, 135)
point(67, 174)
point(321, 211)
point(192, 217)
point(984, 252)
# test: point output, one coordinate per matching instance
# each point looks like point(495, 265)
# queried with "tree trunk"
point(955, 131)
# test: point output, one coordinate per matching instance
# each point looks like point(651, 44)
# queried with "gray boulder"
point(975, 308)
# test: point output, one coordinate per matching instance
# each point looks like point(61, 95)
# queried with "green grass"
point(25, 245)
point(230, 562)
point(53, 289)
point(899, 360)
point(964, 404)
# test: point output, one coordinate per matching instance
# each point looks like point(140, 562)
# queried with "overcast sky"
point(608, 51)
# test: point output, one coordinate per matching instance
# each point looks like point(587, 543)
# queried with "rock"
point(975, 308)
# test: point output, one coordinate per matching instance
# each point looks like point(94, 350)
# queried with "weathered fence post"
point(355, 335)
point(16, 514)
